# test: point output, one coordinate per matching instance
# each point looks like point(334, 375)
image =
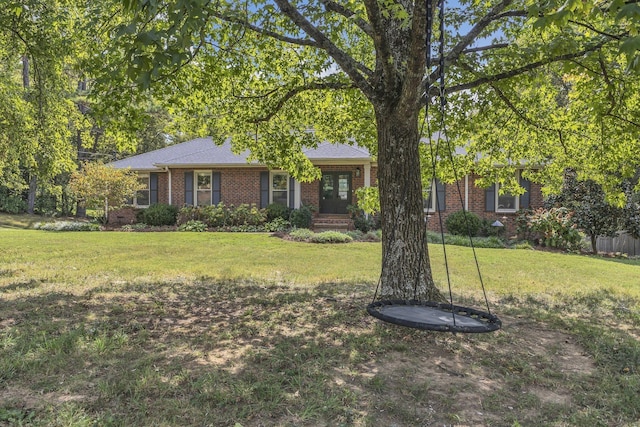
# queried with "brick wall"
point(124, 215)
point(163, 188)
point(477, 205)
point(237, 186)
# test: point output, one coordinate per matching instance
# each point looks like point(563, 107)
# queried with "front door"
point(335, 192)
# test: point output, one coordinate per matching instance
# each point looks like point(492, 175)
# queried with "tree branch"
point(349, 65)
point(610, 94)
point(595, 30)
point(332, 6)
point(471, 36)
point(631, 122)
point(245, 23)
point(524, 69)
point(485, 48)
point(384, 58)
point(297, 90)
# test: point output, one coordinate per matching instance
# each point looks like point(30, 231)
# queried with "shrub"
point(278, 224)
point(355, 234)
point(215, 216)
point(12, 203)
point(463, 223)
point(553, 228)
point(301, 218)
point(301, 234)
point(330, 237)
point(456, 240)
point(221, 216)
point(522, 245)
point(159, 214)
point(193, 225)
point(361, 221)
point(189, 213)
point(67, 226)
point(275, 210)
point(372, 236)
point(246, 215)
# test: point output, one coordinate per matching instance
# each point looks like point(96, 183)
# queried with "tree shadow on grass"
point(221, 352)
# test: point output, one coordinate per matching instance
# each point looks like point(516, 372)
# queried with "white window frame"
point(497, 199)
point(148, 190)
point(196, 190)
point(271, 190)
point(432, 192)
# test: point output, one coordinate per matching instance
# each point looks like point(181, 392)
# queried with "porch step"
point(328, 222)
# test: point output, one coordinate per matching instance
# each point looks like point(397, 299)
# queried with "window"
point(203, 188)
point(279, 188)
point(142, 196)
point(429, 202)
point(506, 202)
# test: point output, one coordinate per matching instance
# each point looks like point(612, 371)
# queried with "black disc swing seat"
point(430, 315)
point(433, 316)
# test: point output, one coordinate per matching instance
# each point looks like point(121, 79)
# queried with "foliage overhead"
point(553, 84)
point(39, 48)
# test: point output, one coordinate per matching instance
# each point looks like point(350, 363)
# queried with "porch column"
point(297, 202)
point(367, 175)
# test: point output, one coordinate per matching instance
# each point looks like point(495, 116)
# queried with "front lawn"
point(181, 329)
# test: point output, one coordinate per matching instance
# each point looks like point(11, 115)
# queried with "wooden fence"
point(623, 243)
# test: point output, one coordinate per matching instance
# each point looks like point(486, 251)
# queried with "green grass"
point(175, 329)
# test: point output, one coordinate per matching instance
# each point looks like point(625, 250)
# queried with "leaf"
point(630, 46)
point(629, 11)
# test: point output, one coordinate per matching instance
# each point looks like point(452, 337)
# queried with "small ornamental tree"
point(102, 187)
point(592, 213)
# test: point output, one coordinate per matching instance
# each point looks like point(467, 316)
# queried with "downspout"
point(466, 192)
point(169, 175)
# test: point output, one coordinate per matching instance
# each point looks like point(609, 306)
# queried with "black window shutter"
point(215, 186)
point(490, 199)
point(292, 193)
point(525, 199)
point(264, 189)
point(440, 190)
point(188, 188)
point(153, 188)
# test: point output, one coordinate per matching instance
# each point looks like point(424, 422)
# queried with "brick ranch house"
point(200, 172)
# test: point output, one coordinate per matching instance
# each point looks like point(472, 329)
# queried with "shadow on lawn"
point(216, 353)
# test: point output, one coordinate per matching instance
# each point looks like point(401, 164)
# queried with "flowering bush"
point(67, 226)
point(553, 228)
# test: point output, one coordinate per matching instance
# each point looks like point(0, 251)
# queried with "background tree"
point(104, 188)
point(592, 213)
point(265, 72)
point(41, 37)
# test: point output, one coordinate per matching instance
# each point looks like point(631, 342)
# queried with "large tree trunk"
point(31, 198)
point(406, 270)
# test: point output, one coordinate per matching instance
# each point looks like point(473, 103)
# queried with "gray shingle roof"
point(204, 152)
